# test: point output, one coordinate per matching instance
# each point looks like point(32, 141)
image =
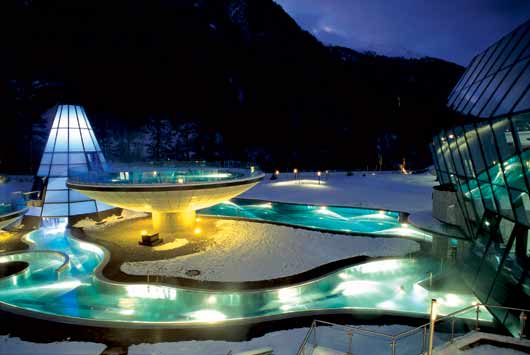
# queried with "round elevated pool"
point(171, 193)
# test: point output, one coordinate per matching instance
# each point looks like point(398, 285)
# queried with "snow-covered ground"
point(268, 251)
point(287, 342)
point(284, 342)
point(15, 346)
point(387, 190)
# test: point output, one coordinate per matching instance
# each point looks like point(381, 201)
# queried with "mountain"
point(242, 70)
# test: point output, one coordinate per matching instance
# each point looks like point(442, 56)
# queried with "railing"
point(411, 342)
point(164, 172)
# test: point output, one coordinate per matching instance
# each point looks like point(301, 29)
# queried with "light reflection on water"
point(390, 284)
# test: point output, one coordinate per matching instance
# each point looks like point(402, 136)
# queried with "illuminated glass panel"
point(77, 196)
point(46, 158)
point(77, 158)
point(57, 183)
point(55, 210)
point(76, 145)
point(60, 158)
point(53, 196)
point(51, 141)
point(87, 141)
point(81, 117)
point(82, 207)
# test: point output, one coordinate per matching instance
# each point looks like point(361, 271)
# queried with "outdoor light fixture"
point(252, 169)
point(277, 172)
point(197, 231)
point(295, 171)
point(180, 180)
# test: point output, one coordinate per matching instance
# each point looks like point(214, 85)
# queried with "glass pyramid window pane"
point(82, 207)
point(72, 118)
point(78, 168)
point(87, 141)
point(46, 158)
point(53, 196)
point(60, 158)
point(85, 119)
point(81, 117)
point(55, 210)
point(77, 158)
point(77, 196)
point(63, 123)
point(56, 118)
point(95, 140)
point(51, 141)
point(57, 183)
point(61, 144)
point(59, 170)
point(76, 145)
point(44, 170)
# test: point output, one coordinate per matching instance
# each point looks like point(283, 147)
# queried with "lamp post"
point(434, 313)
point(295, 172)
point(319, 174)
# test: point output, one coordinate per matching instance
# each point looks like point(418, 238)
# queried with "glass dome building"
point(483, 167)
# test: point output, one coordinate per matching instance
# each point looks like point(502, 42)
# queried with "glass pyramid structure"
point(71, 144)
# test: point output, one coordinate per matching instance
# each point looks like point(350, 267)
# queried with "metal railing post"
point(423, 340)
point(452, 329)
point(393, 346)
point(477, 311)
point(350, 352)
point(434, 311)
point(522, 325)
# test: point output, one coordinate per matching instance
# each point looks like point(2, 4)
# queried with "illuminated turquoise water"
point(76, 292)
point(160, 175)
point(330, 218)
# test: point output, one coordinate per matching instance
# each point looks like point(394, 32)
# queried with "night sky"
point(454, 30)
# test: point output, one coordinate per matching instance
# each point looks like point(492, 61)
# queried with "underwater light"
point(357, 287)
point(380, 266)
point(208, 315)
point(289, 295)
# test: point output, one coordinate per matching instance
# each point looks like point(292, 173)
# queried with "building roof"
point(497, 81)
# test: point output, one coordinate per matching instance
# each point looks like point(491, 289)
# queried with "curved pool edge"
point(235, 322)
point(238, 321)
point(320, 271)
point(316, 229)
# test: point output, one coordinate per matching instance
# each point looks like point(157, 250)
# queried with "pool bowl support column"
point(168, 224)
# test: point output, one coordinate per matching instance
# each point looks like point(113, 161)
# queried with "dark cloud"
point(454, 30)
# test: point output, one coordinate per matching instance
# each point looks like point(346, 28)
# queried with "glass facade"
point(71, 145)
point(487, 162)
point(496, 82)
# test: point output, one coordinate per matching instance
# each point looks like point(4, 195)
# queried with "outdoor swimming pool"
point(349, 220)
point(76, 294)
